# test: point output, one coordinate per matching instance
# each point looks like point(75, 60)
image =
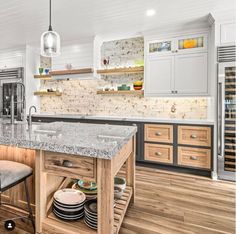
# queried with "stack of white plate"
point(90, 211)
point(68, 204)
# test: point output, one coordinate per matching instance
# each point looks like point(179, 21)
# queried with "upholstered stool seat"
point(12, 173)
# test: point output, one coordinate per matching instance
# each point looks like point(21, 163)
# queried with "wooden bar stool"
point(11, 174)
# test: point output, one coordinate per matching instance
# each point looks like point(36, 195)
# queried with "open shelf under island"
point(95, 152)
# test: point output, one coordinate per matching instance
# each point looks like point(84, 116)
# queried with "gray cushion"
point(11, 172)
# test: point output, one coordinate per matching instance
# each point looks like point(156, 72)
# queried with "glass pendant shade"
point(50, 44)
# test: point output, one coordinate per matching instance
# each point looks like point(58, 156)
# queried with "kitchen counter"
point(92, 140)
point(131, 119)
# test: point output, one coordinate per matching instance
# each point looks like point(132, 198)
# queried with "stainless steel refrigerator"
point(227, 113)
point(10, 80)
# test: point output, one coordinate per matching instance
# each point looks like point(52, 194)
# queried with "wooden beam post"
point(105, 202)
point(130, 169)
point(41, 196)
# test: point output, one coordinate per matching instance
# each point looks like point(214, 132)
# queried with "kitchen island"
point(65, 151)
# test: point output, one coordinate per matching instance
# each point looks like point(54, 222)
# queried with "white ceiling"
point(23, 21)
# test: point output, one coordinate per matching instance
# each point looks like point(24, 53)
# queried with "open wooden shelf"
point(71, 72)
point(123, 70)
point(64, 72)
point(138, 92)
point(121, 208)
point(43, 77)
point(52, 222)
point(41, 93)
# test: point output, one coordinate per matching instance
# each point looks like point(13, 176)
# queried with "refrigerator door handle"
point(220, 119)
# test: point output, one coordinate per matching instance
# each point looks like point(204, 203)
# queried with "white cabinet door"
point(159, 75)
point(191, 74)
point(228, 33)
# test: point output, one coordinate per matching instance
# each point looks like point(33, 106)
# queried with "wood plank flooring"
point(169, 203)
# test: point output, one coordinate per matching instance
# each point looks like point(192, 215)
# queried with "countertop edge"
point(71, 150)
point(129, 119)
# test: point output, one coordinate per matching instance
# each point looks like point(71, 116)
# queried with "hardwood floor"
point(177, 203)
point(172, 203)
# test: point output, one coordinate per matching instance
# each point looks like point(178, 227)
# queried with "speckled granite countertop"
point(92, 140)
point(131, 119)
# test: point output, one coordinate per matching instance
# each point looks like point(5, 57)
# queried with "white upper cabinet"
point(161, 73)
point(191, 74)
point(228, 33)
point(177, 67)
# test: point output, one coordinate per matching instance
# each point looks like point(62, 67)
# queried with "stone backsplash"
point(80, 96)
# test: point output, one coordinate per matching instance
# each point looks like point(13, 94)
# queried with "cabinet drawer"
point(159, 133)
point(159, 153)
point(194, 157)
point(194, 135)
point(70, 165)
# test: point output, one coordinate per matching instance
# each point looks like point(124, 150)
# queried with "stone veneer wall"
point(79, 96)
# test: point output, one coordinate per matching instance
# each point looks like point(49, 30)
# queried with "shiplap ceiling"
point(23, 21)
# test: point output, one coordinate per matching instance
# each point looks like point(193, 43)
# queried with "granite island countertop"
point(91, 140)
point(130, 119)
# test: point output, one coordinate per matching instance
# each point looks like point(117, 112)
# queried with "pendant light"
point(50, 40)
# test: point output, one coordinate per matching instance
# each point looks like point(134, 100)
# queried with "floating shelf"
point(42, 93)
point(43, 77)
point(123, 70)
point(71, 72)
point(64, 72)
point(138, 92)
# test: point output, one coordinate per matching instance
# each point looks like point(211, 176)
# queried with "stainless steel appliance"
point(12, 93)
point(227, 113)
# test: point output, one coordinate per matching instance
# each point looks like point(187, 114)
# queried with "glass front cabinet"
point(184, 44)
point(161, 47)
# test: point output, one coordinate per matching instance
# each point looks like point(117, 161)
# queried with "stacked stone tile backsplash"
point(80, 97)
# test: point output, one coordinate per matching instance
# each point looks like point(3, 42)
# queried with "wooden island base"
point(51, 175)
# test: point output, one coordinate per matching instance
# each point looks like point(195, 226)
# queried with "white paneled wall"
point(78, 55)
point(12, 58)
point(31, 67)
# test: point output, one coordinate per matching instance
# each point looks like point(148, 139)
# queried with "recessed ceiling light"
point(150, 12)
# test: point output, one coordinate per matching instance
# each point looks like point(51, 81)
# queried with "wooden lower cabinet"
point(194, 135)
point(16, 195)
point(179, 146)
point(159, 133)
point(194, 157)
point(159, 153)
